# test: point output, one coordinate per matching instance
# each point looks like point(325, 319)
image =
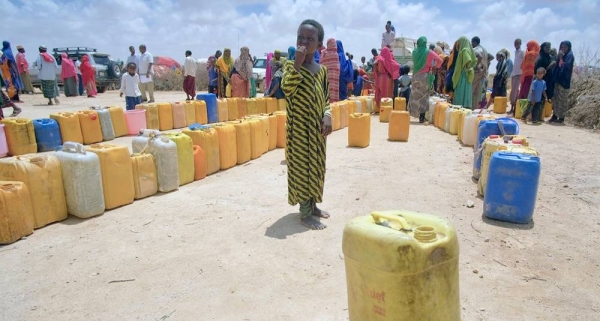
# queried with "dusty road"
point(229, 247)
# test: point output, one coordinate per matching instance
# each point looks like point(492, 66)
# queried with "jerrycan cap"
point(425, 234)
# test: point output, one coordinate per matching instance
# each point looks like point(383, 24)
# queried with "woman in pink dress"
point(385, 71)
point(329, 58)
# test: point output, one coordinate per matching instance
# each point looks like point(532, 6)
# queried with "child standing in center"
point(538, 91)
point(130, 87)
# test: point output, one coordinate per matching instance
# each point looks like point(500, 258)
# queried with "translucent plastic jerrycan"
point(401, 266)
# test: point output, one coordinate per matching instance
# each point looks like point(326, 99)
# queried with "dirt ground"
point(229, 247)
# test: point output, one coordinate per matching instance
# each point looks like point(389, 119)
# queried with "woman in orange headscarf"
point(528, 66)
point(385, 71)
point(88, 75)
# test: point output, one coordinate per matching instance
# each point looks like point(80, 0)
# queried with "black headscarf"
point(545, 59)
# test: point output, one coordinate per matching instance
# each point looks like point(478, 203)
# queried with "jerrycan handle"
point(72, 147)
point(399, 219)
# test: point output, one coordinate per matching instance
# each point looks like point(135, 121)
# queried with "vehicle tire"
point(113, 70)
point(101, 90)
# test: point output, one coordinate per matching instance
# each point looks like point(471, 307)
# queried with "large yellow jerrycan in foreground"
point(401, 266)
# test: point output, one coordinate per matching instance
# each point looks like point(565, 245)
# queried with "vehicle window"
point(101, 59)
point(260, 63)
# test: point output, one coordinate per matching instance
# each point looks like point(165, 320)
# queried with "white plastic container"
point(358, 106)
point(431, 112)
point(108, 131)
point(82, 180)
point(165, 156)
point(448, 115)
point(139, 142)
point(369, 104)
point(469, 135)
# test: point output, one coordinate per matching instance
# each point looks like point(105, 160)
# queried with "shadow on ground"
point(286, 226)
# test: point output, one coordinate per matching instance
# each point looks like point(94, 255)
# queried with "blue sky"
point(169, 27)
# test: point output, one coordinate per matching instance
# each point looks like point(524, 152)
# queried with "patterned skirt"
point(560, 102)
point(419, 95)
point(48, 89)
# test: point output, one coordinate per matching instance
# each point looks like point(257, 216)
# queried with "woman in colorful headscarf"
point(88, 75)
point(499, 84)
point(548, 62)
point(385, 70)
point(10, 73)
point(224, 66)
point(464, 73)
point(562, 75)
point(450, 65)
point(241, 74)
point(213, 75)
point(331, 60)
point(422, 81)
point(346, 71)
point(268, 72)
point(68, 75)
point(441, 70)
point(528, 68)
point(291, 53)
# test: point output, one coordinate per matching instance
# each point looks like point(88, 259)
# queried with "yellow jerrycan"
point(401, 266)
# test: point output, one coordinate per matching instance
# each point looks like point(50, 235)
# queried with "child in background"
point(130, 87)
point(405, 81)
point(536, 98)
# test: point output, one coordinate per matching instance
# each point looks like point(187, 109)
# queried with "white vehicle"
point(259, 72)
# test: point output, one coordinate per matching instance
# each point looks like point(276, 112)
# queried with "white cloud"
point(169, 27)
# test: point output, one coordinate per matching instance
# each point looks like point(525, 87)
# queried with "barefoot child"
point(305, 86)
point(130, 87)
point(538, 89)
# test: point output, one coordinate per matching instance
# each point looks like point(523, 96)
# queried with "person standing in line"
point(132, 58)
point(461, 74)
point(305, 84)
point(241, 75)
point(385, 71)
point(213, 75)
point(499, 83)
point(224, 65)
point(548, 62)
point(275, 91)
point(189, 76)
point(388, 37)
point(515, 76)
point(10, 73)
point(405, 81)
point(562, 87)
point(130, 87)
point(68, 75)
point(346, 71)
point(88, 73)
point(481, 71)
point(528, 68)
point(536, 98)
point(23, 67)
point(422, 81)
point(146, 74)
point(47, 66)
point(371, 61)
point(331, 61)
point(363, 63)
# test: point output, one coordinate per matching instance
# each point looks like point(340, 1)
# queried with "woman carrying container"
point(308, 124)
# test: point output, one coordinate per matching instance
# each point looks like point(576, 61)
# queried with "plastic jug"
point(261, 106)
point(454, 121)
point(136, 121)
point(281, 105)
point(282, 127)
point(208, 139)
point(118, 120)
point(461, 122)
point(108, 131)
point(232, 108)
point(82, 180)
point(211, 107)
point(201, 113)
point(400, 104)
point(272, 131)
point(448, 118)
point(43, 177)
point(271, 104)
point(117, 174)
point(352, 106)
point(370, 108)
point(139, 143)
point(70, 129)
point(166, 160)
point(399, 126)
point(20, 136)
point(442, 115)
point(47, 134)
point(16, 212)
point(256, 137)
point(200, 168)
point(264, 133)
point(144, 175)
point(500, 104)
point(385, 110)
point(359, 130)
point(152, 117)
point(493, 144)
point(242, 133)
point(185, 157)
point(401, 266)
point(3, 144)
point(520, 108)
point(227, 145)
point(223, 110)
point(363, 104)
point(335, 117)
point(252, 108)
point(178, 110)
point(500, 126)
point(90, 126)
point(547, 109)
point(190, 112)
point(242, 104)
point(512, 187)
point(165, 116)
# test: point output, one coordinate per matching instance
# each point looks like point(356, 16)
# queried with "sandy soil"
point(229, 247)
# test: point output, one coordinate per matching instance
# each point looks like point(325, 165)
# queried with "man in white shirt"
point(145, 72)
point(189, 76)
point(132, 58)
point(388, 37)
point(515, 77)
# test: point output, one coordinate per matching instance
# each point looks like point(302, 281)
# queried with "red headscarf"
point(531, 55)
point(68, 69)
point(87, 71)
point(390, 65)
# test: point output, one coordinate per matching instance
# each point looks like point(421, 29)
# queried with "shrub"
point(172, 80)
